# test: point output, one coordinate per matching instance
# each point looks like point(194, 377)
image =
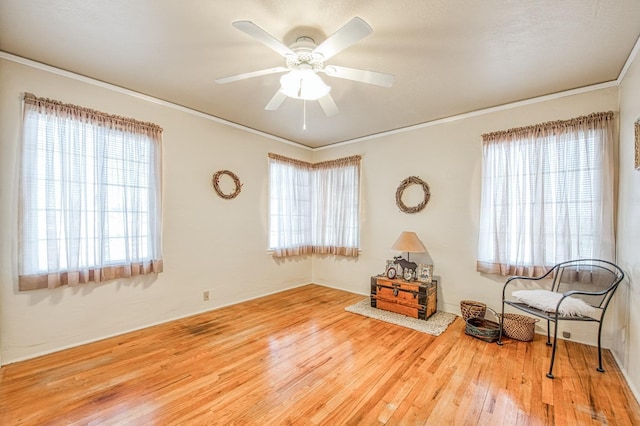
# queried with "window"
point(289, 207)
point(547, 196)
point(314, 208)
point(90, 199)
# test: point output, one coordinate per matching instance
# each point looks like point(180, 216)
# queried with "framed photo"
point(425, 273)
point(391, 264)
point(391, 273)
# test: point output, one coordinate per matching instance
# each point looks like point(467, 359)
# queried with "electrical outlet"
point(566, 334)
point(205, 295)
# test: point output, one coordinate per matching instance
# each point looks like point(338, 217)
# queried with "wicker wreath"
point(412, 180)
point(215, 180)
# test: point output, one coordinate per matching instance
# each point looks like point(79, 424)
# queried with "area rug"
point(435, 325)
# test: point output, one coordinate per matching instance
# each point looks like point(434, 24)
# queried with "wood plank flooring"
point(298, 358)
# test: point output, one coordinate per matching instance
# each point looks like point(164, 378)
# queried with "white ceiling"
point(449, 56)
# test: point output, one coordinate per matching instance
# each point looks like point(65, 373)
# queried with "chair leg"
point(553, 351)
point(600, 369)
point(548, 333)
point(501, 323)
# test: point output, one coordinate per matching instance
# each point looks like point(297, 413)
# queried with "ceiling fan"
point(305, 59)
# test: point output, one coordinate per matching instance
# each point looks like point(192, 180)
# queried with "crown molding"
point(458, 117)
point(142, 96)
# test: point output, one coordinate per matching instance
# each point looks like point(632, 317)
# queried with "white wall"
point(448, 157)
point(627, 348)
point(209, 243)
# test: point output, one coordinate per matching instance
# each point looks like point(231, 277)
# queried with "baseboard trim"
point(627, 379)
point(120, 333)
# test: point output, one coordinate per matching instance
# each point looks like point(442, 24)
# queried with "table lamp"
point(409, 242)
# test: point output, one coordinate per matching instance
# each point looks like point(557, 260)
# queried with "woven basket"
point(483, 329)
point(472, 309)
point(519, 327)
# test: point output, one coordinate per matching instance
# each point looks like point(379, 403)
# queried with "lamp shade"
point(409, 242)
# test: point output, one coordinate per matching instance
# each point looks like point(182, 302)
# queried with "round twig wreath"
point(412, 180)
point(215, 180)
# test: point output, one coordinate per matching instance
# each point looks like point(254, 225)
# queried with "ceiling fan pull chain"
point(304, 115)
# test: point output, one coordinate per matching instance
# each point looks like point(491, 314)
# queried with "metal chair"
point(592, 280)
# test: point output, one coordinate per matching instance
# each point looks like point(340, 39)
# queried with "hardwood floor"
point(298, 358)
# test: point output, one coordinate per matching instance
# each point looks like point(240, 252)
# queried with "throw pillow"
point(547, 301)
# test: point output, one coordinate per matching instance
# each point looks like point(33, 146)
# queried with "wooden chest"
point(413, 299)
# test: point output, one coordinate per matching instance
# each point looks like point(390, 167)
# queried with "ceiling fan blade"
point(353, 31)
point(237, 77)
point(276, 101)
point(328, 105)
point(363, 76)
point(263, 37)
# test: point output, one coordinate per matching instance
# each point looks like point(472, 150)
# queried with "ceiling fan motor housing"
point(304, 58)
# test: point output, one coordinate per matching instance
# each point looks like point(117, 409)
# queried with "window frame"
point(76, 181)
point(557, 164)
point(315, 238)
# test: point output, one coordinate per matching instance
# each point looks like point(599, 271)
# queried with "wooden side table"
point(413, 299)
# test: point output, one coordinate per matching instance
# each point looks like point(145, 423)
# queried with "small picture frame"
point(425, 273)
point(390, 264)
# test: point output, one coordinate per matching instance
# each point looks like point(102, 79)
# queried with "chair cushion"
point(547, 301)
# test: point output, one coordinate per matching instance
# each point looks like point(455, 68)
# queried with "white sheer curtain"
point(314, 208)
point(336, 209)
point(90, 196)
point(547, 196)
point(289, 206)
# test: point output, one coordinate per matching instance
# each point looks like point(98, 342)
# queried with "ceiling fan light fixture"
point(303, 84)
